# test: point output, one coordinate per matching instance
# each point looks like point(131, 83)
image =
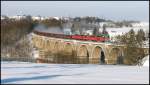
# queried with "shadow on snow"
point(13, 80)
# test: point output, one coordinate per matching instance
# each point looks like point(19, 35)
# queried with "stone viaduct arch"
point(52, 45)
point(82, 54)
point(97, 55)
point(68, 49)
point(116, 55)
point(56, 47)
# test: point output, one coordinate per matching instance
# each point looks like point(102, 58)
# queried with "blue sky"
point(115, 10)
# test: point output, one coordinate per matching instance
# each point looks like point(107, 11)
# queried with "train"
point(99, 38)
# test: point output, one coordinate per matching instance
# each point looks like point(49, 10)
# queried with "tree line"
point(14, 33)
point(134, 51)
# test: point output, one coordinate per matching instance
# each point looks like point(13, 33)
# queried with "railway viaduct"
point(85, 52)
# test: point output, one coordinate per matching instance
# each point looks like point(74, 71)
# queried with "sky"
point(114, 10)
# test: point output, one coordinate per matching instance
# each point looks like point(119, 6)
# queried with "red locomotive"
point(100, 38)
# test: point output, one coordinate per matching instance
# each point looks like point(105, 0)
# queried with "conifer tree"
point(140, 37)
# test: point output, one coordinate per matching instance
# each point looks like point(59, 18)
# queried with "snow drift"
point(145, 61)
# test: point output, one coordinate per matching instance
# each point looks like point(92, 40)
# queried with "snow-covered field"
point(29, 73)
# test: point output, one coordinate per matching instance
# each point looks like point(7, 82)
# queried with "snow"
point(35, 53)
point(141, 24)
point(146, 61)
point(32, 73)
point(57, 18)
point(120, 31)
